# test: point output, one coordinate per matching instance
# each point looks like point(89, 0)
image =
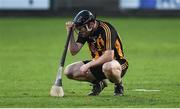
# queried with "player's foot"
point(118, 89)
point(97, 88)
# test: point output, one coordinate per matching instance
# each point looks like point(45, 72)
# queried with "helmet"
point(83, 17)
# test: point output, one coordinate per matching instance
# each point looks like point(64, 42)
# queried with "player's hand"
point(84, 68)
point(69, 25)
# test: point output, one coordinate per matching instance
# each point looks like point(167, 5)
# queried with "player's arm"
point(74, 46)
point(106, 57)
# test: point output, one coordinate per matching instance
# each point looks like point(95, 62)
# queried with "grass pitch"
point(30, 49)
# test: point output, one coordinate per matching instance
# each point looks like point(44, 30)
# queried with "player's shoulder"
point(105, 25)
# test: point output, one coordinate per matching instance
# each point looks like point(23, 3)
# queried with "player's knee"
point(107, 68)
point(69, 72)
point(111, 70)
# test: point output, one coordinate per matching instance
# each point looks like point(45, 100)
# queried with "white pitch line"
point(146, 90)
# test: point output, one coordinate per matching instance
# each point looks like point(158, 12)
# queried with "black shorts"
point(98, 73)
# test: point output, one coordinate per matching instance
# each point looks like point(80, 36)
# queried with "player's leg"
point(100, 83)
point(72, 71)
point(114, 72)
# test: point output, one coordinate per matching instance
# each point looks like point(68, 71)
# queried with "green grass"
point(29, 55)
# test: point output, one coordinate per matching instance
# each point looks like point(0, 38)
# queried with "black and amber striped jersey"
point(105, 37)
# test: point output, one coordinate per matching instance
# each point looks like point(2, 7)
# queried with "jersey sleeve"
point(81, 39)
point(109, 34)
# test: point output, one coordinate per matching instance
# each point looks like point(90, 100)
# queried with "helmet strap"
point(95, 24)
point(88, 29)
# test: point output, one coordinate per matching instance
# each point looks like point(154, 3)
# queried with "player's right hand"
point(69, 25)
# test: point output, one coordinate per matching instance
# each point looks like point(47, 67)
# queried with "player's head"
point(83, 21)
